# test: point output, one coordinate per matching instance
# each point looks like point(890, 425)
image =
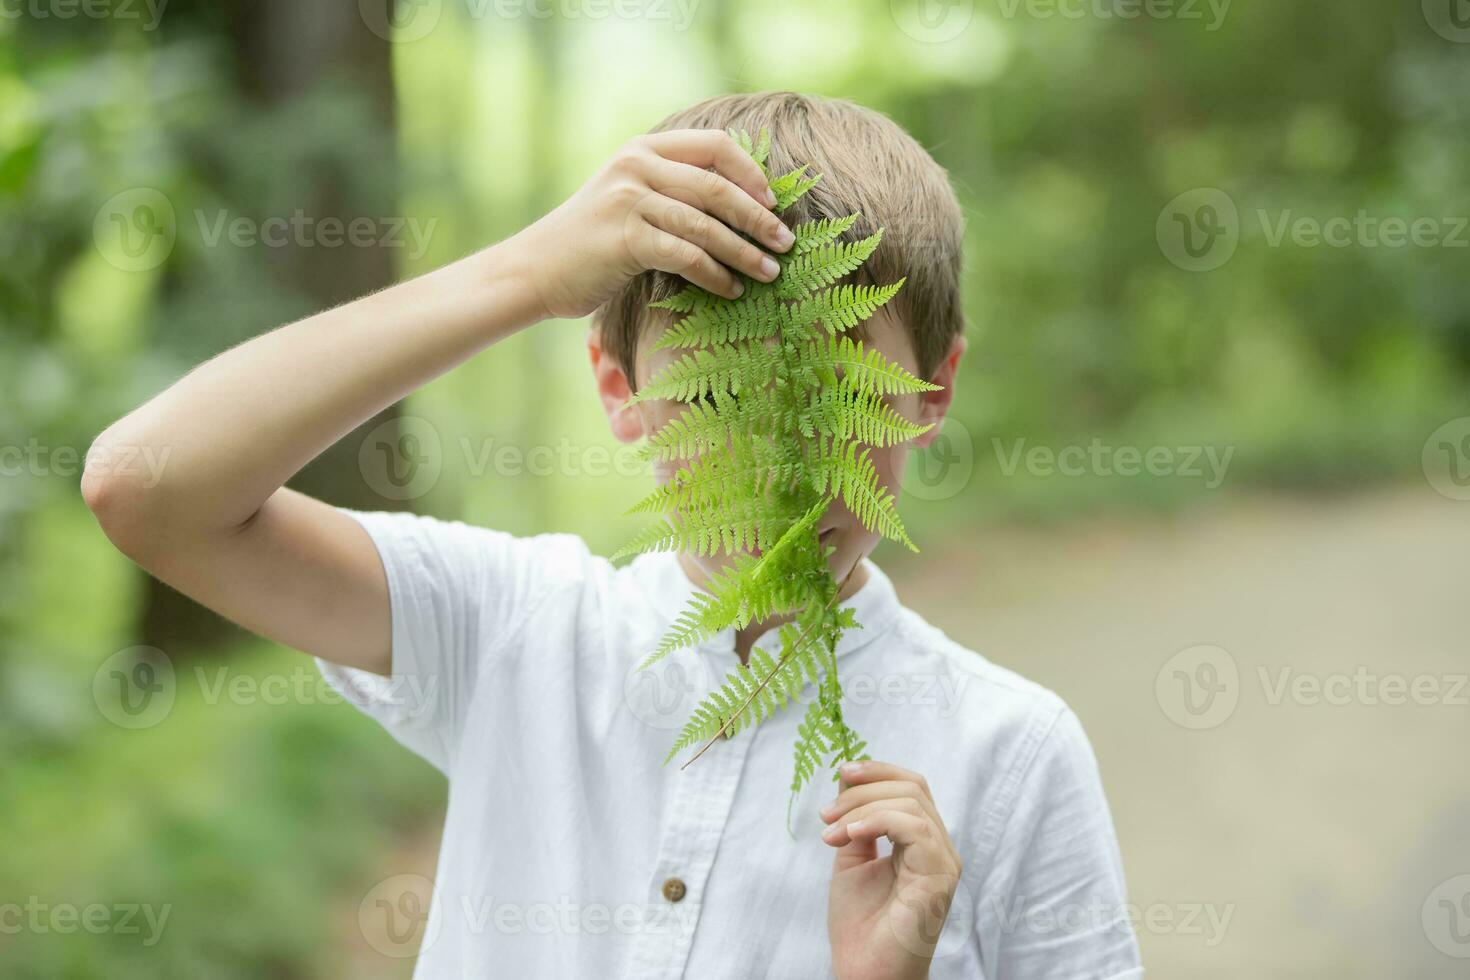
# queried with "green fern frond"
point(843, 307)
point(749, 470)
point(750, 589)
point(742, 525)
point(686, 300)
point(758, 150)
point(824, 265)
point(722, 369)
point(792, 186)
point(862, 367)
point(752, 693)
point(782, 410)
point(819, 231)
point(846, 412)
point(850, 474)
point(823, 738)
point(727, 322)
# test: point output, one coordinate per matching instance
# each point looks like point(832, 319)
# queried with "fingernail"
point(737, 289)
point(850, 768)
point(831, 833)
point(827, 810)
point(770, 198)
point(783, 237)
point(855, 826)
point(769, 268)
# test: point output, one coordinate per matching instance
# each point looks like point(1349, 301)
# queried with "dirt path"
point(1303, 803)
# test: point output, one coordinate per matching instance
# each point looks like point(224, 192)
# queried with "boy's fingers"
point(905, 825)
point(887, 789)
point(693, 225)
point(872, 771)
point(715, 195)
point(713, 148)
point(657, 249)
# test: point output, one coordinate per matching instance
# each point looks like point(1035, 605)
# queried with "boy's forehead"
point(882, 331)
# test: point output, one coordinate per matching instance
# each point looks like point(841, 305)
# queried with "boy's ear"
point(934, 405)
point(614, 391)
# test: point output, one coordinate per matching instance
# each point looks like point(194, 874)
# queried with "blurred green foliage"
point(1065, 136)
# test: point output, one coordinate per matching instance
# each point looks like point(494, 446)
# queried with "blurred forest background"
point(1332, 377)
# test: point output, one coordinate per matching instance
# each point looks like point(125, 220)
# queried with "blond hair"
point(869, 165)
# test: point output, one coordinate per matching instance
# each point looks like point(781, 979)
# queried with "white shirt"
point(514, 672)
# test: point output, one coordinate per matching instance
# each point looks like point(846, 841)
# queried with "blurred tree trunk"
point(283, 49)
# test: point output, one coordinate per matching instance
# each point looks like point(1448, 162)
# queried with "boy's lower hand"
point(884, 915)
point(670, 201)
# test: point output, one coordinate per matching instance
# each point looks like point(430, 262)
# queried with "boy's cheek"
point(890, 465)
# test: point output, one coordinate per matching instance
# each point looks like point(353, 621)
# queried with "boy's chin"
point(848, 550)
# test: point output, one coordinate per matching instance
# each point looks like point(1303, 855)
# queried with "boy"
point(503, 660)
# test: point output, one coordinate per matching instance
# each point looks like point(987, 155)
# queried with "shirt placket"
point(700, 799)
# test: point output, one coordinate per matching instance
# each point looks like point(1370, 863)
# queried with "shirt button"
point(674, 889)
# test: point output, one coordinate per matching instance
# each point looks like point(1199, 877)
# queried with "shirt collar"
point(875, 605)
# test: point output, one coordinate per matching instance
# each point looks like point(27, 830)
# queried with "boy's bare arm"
point(218, 525)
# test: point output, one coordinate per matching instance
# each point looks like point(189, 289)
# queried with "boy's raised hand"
point(218, 523)
point(670, 201)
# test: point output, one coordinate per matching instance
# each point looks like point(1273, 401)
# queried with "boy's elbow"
point(119, 500)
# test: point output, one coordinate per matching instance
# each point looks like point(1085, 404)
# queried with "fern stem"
point(785, 658)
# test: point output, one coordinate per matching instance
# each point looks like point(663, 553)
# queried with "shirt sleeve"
point(460, 597)
point(1053, 905)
